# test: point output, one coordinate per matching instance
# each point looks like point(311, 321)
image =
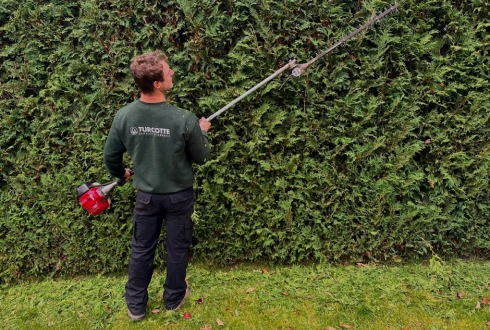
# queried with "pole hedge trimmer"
point(94, 197)
point(299, 69)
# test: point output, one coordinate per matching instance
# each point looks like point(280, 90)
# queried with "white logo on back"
point(155, 131)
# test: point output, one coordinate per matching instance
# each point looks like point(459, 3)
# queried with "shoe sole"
point(186, 297)
point(135, 318)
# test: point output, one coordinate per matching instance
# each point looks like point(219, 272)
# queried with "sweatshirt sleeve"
point(113, 153)
point(197, 143)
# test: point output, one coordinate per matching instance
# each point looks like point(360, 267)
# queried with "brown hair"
point(147, 69)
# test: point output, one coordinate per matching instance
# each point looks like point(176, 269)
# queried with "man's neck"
point(152, 98)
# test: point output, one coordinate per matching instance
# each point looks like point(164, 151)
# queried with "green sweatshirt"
point(162, 141)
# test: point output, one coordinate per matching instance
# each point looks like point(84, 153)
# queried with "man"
point(163, 142)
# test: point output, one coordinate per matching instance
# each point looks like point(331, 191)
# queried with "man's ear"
point(156, 84)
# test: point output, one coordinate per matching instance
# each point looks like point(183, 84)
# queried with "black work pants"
point(149, 213)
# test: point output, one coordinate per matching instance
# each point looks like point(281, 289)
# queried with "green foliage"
point(381, 147)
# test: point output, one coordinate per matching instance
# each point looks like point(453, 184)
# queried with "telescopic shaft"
point(288, 66)
point(299, 69)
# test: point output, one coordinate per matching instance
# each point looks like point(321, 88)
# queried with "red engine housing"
point(94, 201)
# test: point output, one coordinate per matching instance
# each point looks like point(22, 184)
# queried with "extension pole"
point(288, 66)
point(299, 69)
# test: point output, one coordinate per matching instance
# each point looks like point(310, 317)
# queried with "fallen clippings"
point(249, 290)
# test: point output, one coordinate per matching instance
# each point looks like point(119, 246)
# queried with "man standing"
point(163, 141)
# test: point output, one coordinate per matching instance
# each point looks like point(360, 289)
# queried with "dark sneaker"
point(186, 296)
point(136, 318)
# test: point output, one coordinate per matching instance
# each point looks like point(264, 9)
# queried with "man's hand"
point(128, 174)
point(204, 124)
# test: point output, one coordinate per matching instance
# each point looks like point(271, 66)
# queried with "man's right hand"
point(204, 124)
point(128, 174)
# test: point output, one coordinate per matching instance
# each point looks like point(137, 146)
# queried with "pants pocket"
point(144, 205)
point(189, 228)
point(181, 203)
point(179, 239)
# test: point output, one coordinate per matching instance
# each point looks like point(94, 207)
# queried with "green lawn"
point(405, 296)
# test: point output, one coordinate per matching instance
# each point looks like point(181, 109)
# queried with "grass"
point(410, 296)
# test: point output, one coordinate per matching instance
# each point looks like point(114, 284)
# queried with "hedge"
point(379, 152)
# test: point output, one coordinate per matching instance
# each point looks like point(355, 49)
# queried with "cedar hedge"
point(379, 152)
